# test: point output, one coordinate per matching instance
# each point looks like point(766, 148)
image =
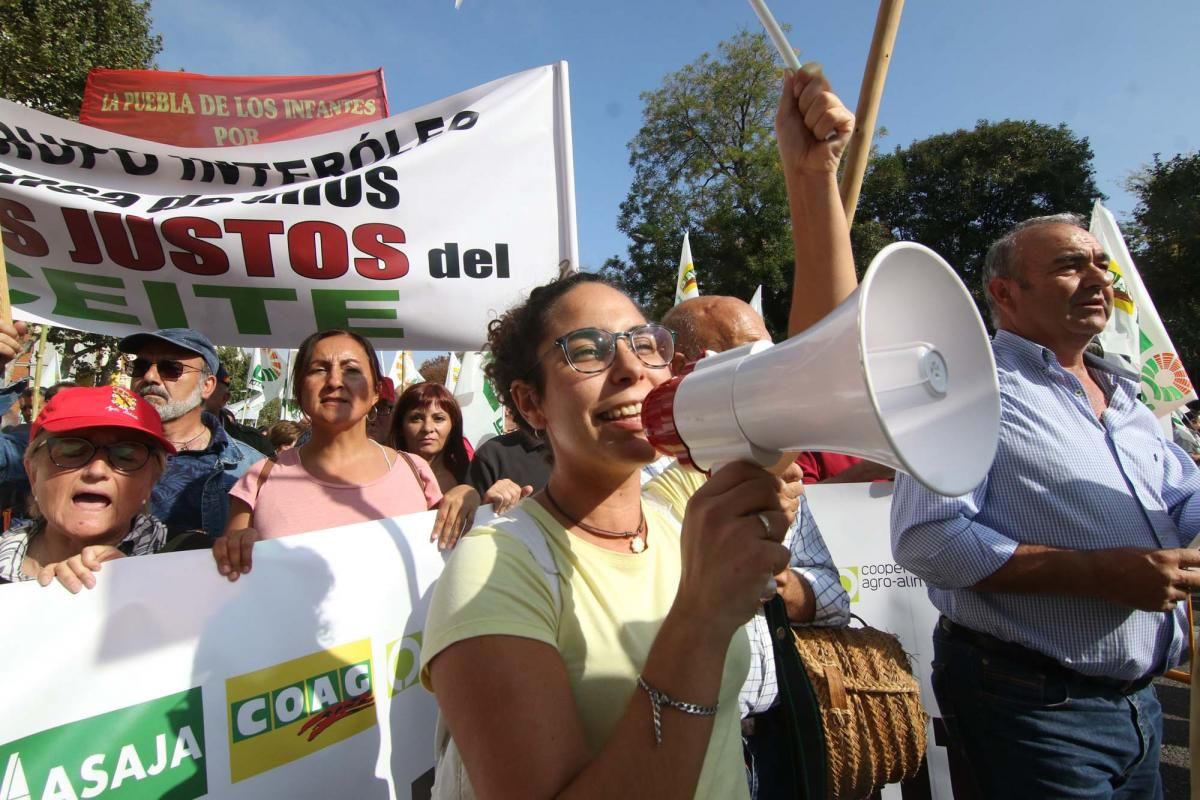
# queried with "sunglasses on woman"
point(169, 369)
point(592, 350)
point(73, 452)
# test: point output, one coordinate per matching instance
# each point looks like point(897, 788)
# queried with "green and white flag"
point(268, 369)
point(1134, 329)
point(482, 412)
point(686, 286)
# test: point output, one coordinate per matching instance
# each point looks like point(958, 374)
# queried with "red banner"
point(190, 110)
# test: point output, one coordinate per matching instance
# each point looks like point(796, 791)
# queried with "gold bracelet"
point(659, 699)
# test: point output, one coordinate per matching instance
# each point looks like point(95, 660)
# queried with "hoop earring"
point(373, 414)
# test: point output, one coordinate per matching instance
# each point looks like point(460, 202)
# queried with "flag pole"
point(37, 372)
point(858, 151)
point(5, 304)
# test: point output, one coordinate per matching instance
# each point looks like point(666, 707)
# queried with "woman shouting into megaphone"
point(590, 644)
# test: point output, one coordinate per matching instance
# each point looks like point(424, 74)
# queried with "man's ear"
point(1001, 292)
point(678, 362)
point(208, 387)
point(528, 403)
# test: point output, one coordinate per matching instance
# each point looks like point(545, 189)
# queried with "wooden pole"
point(5, 305)
point(858, 151)
point(37, 371)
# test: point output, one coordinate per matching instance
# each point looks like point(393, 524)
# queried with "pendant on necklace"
point(637, 544)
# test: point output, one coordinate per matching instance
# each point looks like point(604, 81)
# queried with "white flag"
point(248, 410)
point(404, 371)
point(686, 286)
point(756, 301)
point(268, 368)
point(1135, 330)
point(51, 369)
point(453, 367)
point(483, 415)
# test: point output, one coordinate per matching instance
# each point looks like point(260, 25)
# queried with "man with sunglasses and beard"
point(175, 370)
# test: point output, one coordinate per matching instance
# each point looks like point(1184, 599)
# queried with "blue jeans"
point(1016, 730)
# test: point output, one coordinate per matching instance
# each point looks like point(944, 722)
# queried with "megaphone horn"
point(901, 373)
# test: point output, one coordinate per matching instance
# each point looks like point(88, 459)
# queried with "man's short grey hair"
point(1001, 259)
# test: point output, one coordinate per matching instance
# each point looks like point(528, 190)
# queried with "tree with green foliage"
point(1164, 240)
point(237, 364)
point(958, 192)
point(46, 50)
point(48, 46)
point(705, 162)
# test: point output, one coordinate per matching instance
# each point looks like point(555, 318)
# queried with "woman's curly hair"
point(514, 338)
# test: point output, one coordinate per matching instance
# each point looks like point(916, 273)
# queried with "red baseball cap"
point(100, 407)
point(387, 390)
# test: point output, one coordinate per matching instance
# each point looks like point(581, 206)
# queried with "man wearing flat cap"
point(175, 370)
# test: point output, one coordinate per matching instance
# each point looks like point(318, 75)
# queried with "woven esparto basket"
point(870, 706)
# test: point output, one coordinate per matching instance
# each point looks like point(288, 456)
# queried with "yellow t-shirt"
point(674, 486)
point(611, 607)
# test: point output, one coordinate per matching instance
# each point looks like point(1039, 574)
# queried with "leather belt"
point(1040, 661)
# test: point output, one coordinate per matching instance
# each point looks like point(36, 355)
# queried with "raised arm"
point(812, 127)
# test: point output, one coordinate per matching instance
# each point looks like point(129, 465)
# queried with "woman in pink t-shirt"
point(339, 476)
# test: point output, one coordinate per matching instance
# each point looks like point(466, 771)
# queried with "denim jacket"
point(218, 467)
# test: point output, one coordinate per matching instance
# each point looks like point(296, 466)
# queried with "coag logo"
point(404, 662)
point(849, 578)
point(294, 709)
point(150, 750)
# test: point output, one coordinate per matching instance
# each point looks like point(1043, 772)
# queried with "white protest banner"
point(855, 521)
point(166, 680)
point(300, 679)
point(403, 229)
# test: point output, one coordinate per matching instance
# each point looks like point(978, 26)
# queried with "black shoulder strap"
point(798, 701)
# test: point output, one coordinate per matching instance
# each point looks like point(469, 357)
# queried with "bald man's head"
point(713, 322)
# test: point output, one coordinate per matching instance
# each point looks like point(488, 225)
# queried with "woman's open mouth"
point(630, 413)
point(91, 501)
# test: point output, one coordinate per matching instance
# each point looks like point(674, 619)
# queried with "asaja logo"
point(849, 578)
point(150, 750)
point(291, 710)
point(270, 369)
point(404, 662)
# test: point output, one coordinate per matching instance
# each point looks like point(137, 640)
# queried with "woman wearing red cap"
point(93, 457)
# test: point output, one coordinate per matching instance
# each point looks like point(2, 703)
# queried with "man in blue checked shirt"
point(1061, 578)
point(810, 587)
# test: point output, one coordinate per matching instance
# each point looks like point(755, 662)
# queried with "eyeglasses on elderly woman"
point(73, 452)
point(592, 350)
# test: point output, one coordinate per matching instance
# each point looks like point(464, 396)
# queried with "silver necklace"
point(184, 445)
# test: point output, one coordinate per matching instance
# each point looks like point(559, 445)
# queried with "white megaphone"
point(901, 373)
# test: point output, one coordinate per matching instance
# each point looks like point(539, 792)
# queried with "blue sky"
point(1122, 74)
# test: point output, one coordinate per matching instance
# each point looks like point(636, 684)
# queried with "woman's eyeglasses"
point(72, 452)
point(168, 368)
point(592, 350)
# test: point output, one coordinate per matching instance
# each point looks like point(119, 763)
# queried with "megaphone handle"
point(769, 589)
